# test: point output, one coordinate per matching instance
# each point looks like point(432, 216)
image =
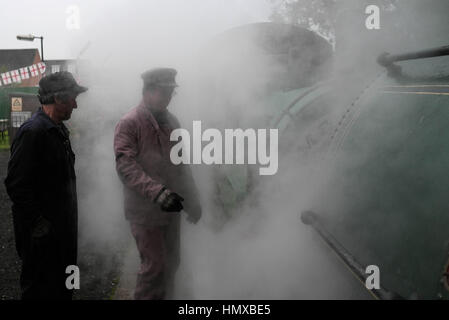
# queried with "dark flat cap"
point(160, 77)
point(58, 82)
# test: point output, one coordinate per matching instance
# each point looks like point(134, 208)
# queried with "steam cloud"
point(261, 250)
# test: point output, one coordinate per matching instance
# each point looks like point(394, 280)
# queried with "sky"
point(48, 18)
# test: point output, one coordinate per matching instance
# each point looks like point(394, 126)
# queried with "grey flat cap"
point(160, 77)
point(58, 82)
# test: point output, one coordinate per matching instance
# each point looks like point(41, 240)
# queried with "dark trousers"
point(43, 269)
point(158, 247)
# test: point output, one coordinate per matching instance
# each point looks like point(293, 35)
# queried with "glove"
point(194, 214)
point(170, 201)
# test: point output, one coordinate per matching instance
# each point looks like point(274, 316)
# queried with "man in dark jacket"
point(41, 184)
point(155, 189)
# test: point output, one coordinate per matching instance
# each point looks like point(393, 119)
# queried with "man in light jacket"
point(155, 189)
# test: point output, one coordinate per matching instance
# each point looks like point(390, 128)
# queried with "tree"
point(405, 26)
point(320, 16)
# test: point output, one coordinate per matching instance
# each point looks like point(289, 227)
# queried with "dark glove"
point(170, 201)
point(194, 214)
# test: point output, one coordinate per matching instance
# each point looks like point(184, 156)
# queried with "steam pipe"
point(387, 59)
point(311, 219)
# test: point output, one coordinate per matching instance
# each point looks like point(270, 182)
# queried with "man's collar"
point(46, 119)
point(147, 113)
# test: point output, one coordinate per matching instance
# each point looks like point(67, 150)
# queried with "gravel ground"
point(96, 284)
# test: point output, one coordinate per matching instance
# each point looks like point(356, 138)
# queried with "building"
point(18, 94)
point(14, 59)
point(18, 99)
point(61, 65)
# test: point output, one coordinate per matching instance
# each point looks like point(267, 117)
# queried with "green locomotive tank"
point(386, 200)
point(382, 141)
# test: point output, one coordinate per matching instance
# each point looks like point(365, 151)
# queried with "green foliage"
point(310, 14)
point(4, 142)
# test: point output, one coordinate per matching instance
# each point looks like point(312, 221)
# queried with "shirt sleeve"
point(129, 170)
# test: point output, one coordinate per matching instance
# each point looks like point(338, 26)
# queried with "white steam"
point(262, 251)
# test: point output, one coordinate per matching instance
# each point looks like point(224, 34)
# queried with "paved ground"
point(127, 279)
point(9, 261)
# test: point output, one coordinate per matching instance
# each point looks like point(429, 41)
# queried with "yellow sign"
point(16, 104)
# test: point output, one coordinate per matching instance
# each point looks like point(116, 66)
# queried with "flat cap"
point(58, 82)
point(160, 77)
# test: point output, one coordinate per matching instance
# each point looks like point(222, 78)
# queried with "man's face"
point(64, 106)
point(158, 98)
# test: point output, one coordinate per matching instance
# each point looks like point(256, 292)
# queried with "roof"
point(12, 59)
point(60, 61)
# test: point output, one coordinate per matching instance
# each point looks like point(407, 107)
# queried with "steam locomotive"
point(383, 138)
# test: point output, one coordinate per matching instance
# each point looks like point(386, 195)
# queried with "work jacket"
point(142, 152)
point(41, 183)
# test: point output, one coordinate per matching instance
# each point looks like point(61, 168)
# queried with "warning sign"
point(16, 104)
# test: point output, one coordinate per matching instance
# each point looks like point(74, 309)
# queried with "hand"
point(170, 201)
point(194, 214)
